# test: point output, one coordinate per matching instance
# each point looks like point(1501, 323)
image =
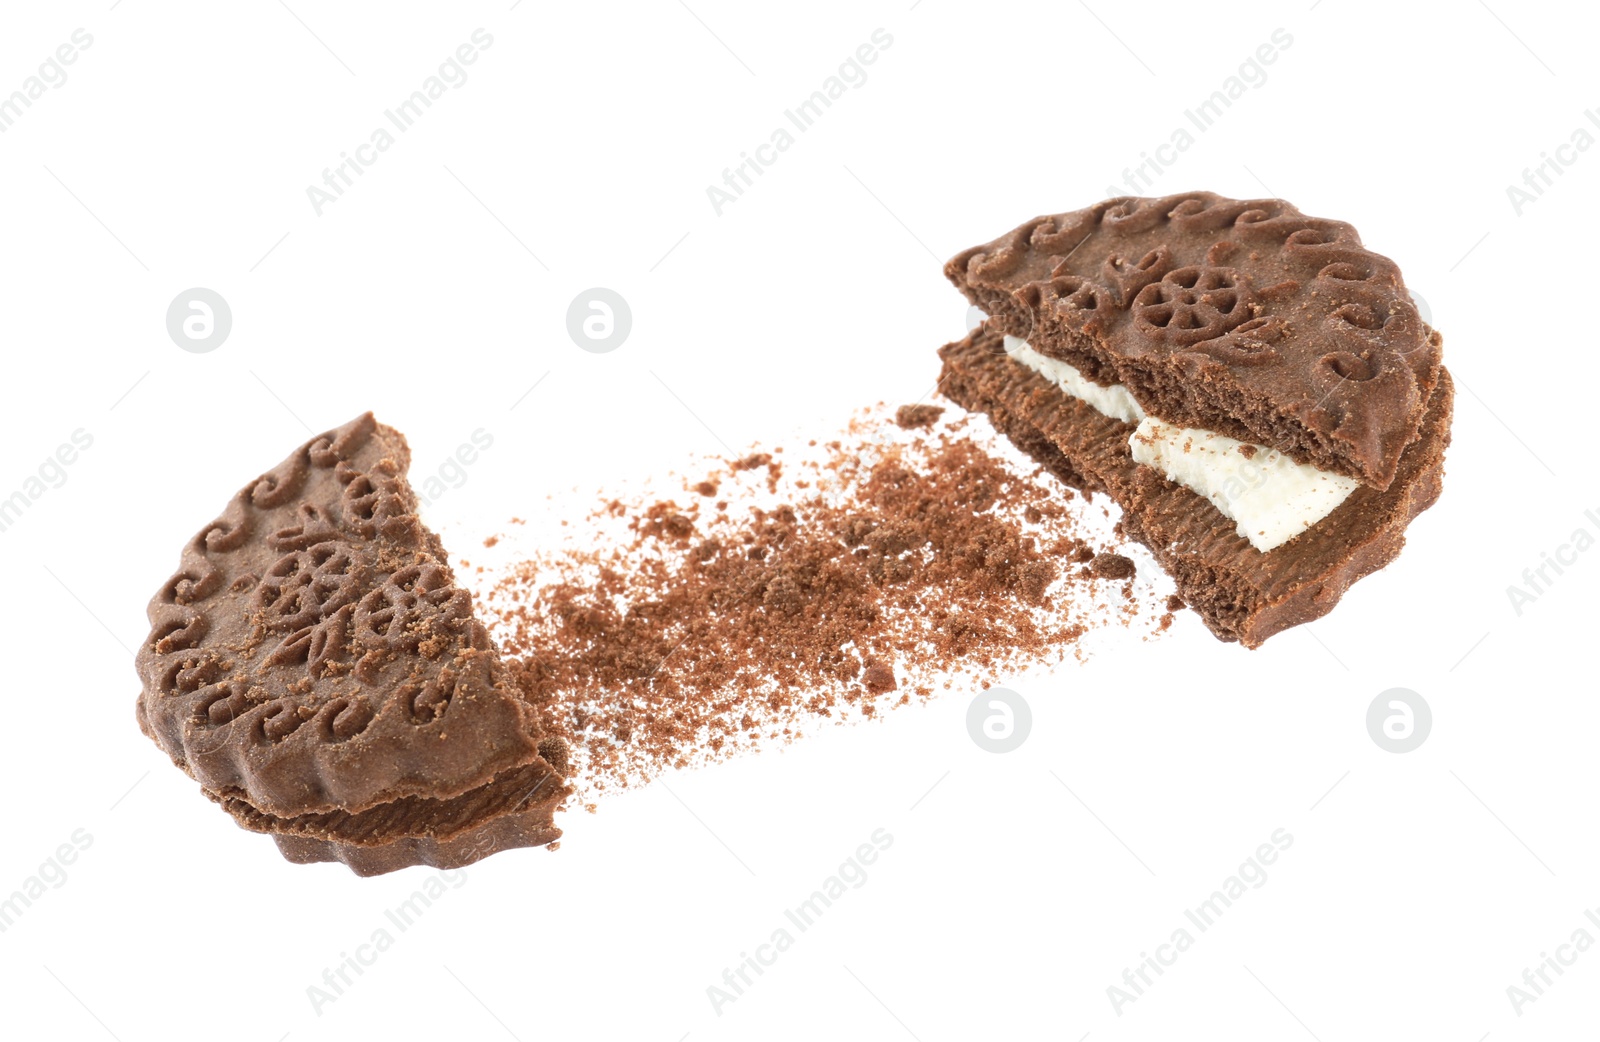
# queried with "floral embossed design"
point(1127, 277)
point(408, 609)
point(373, 503)
point(1079, 304)
point(1193, 304)
point(305, 586)
point(317, 644)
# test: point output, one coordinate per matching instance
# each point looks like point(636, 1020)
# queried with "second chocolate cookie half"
point(1252, 385)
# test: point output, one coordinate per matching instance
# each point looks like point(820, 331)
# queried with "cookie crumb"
point(877, 677)
point(910, 417)
point(1111, 566)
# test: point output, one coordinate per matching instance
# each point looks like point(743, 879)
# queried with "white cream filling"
point(1270, 498)
point(1113, 401)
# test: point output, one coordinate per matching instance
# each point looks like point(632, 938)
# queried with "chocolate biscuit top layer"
point(313, 651)
point(1244, 317)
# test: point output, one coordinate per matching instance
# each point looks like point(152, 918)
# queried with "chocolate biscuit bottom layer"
point(1240, 592)
point(516, 809)
point(528, 828)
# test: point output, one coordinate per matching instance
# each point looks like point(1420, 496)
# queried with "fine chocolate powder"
point(901, 558)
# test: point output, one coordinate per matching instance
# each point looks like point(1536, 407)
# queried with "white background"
point(578, 153)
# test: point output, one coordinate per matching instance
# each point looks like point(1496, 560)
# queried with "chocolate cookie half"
point(1253, 386)
point(314, 665)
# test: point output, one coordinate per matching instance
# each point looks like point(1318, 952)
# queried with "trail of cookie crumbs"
point(896, 560)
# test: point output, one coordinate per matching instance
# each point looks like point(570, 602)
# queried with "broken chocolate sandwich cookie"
point(1254, 387)
point(315, 667)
